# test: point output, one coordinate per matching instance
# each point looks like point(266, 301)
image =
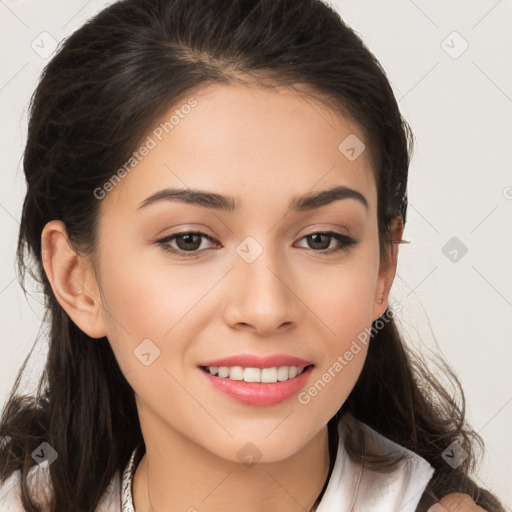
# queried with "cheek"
point(342, 296)
point(149, 298)
point(345, 318)
point(150, 309)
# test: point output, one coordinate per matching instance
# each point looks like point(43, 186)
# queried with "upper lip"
point(255, 361)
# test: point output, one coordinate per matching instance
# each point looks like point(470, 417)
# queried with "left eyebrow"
point(229, 204)
point(319, 199)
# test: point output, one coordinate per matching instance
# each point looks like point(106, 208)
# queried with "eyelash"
point(347, 243)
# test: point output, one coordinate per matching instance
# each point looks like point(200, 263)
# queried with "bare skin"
point(263, 147)
point(456, 502)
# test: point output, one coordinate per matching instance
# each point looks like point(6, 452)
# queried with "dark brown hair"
point(97, 97)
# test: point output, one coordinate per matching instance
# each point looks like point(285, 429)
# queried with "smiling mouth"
point(257, 375)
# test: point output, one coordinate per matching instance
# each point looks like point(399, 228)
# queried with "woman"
point(215, 196)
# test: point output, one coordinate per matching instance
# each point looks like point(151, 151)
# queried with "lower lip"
point(258, 393)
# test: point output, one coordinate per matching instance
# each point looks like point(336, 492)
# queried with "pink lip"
point(253, 361)
point(258, 393)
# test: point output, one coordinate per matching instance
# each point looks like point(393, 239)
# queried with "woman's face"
point(256, 281)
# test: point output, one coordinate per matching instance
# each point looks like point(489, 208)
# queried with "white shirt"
point(376, 492)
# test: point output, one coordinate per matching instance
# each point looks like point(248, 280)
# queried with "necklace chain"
point(349, 510)
point(147, 486)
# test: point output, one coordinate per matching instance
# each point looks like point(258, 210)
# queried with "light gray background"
point(459, 107)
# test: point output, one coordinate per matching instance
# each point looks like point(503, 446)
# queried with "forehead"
point(254, 143)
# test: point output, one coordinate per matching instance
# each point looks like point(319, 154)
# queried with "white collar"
point(378, 492)
point(400, 489)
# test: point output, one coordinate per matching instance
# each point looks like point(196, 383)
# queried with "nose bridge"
point(262, 295)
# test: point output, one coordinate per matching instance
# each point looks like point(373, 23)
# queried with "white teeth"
point(269, 374)
point(236, 373)
point(223, 371)
point(251, 375)
point(282, 373)
point(266, 375)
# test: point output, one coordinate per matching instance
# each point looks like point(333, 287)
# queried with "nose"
point(263, 296)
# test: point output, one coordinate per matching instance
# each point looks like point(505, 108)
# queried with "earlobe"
point(72, 280)
point(387, 271)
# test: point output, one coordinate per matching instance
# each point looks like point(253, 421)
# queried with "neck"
point(184, 476)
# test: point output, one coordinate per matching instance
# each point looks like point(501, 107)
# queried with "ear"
point(72, 279)
point(387, 269)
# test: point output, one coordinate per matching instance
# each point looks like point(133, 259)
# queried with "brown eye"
point(320, 241)
point(186, 242)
